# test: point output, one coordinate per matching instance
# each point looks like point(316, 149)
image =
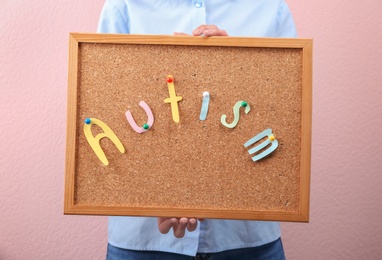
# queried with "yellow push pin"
point(271, 138)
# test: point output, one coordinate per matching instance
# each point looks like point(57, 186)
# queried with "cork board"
point(194, 168)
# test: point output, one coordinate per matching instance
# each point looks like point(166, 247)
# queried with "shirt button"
point(198, 4)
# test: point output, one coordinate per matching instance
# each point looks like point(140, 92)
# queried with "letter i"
point(205, 104)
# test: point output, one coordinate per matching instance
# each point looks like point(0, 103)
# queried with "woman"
point(149, 238)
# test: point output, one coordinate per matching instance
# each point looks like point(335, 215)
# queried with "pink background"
point(346, 201)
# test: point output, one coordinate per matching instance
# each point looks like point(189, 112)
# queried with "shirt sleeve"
point(285, 23)
point(113, 18)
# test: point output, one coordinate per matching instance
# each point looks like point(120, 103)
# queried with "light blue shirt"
point(258, 18)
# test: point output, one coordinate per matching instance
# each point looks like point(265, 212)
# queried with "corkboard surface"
point(192, 164)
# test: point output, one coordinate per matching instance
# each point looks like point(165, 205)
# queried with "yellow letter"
point(173, 99)
point(94, 141)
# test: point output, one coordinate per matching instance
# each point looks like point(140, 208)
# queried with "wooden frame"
point(72, 204)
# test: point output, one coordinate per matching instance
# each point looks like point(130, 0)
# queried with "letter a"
point(94, 141)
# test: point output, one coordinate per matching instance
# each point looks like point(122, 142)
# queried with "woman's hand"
point(178, 225)
point(206, 30)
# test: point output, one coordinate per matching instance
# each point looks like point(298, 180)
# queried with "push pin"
point(170, 79)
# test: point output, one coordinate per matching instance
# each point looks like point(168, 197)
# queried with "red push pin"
point(170, 79)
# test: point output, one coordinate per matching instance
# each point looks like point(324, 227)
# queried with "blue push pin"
point(88, 121)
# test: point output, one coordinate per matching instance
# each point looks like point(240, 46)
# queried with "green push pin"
point(244, 104)
point(145, 126)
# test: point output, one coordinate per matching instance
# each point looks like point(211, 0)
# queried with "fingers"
point(165, 224)
point(209, 30)
point(206, 30)
point(215, 32)
point(179, 225)
point(192, 224)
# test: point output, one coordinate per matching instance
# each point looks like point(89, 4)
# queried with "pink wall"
point(346, 202)
point(346, 198)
